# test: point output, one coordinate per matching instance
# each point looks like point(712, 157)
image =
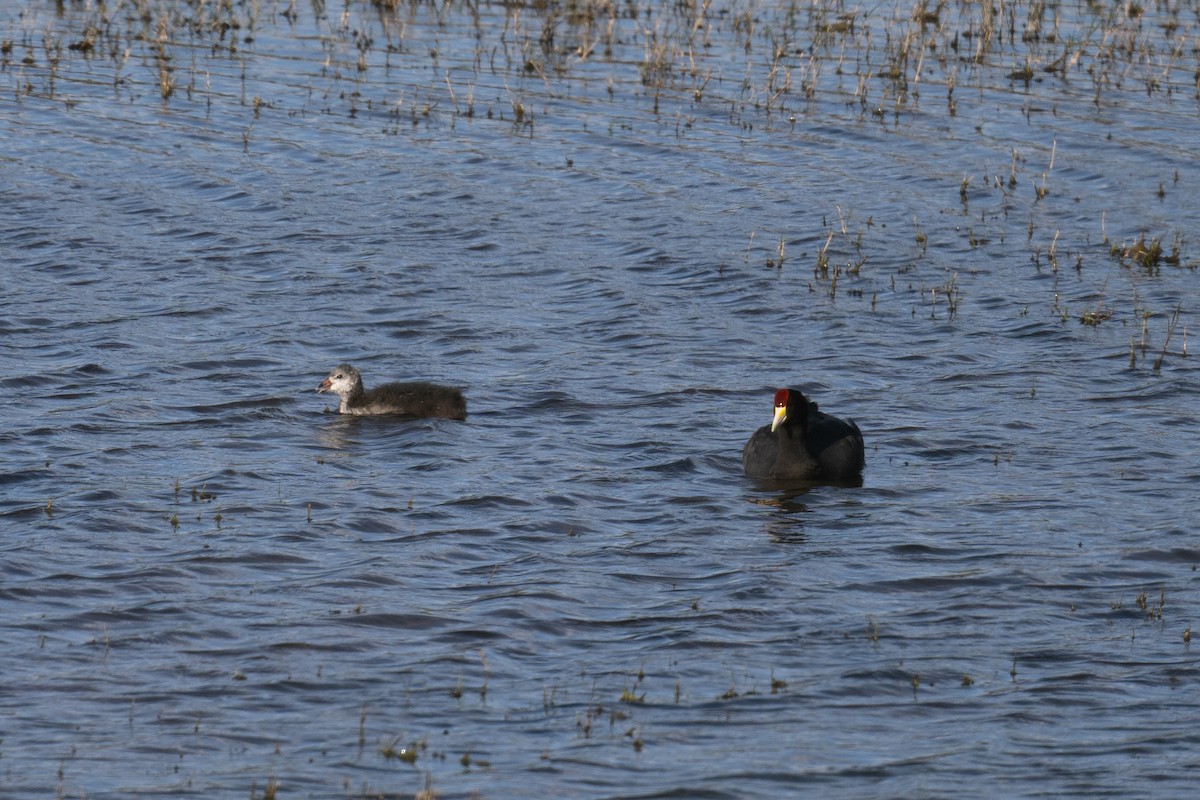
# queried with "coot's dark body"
point(804, 444)
point(415, 399)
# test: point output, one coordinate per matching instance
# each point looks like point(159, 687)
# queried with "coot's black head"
point(790, 405)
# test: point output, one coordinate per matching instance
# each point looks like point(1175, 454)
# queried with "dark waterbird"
point(804, 444)
point(415, 399)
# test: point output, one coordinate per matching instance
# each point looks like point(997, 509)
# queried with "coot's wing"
point(760, 453)
point(837, 444)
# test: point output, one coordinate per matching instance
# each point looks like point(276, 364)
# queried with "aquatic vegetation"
point(201, 495)
point(270, 791)
point(759, 66)
point(1149, 255)
point(407, 753)
point(1174, 321)
point(1153, 612)
point(1096, 315)
point(629, 696)
point(880, 57)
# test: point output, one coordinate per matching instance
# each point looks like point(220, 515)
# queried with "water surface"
point(620, 229)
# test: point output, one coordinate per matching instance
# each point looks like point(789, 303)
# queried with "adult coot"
point(804, 444)
point(416, 399)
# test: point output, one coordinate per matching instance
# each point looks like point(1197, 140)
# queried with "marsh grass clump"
point(952, 293)
point(630, 696)
point(1152, 610)
point(583, 721)
point(948, 293)
point(1094, 317)
point(1171, 324)
point(1147, 255)
point(761, 58)
point(780, 255)
point(407, 753)
point(428, 793)
point(270, 791)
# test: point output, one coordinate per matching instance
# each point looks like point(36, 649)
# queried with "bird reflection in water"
point(785, 525)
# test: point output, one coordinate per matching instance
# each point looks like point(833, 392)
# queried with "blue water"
point(211, 587)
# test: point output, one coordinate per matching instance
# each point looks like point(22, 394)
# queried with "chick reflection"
point(341, 432)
